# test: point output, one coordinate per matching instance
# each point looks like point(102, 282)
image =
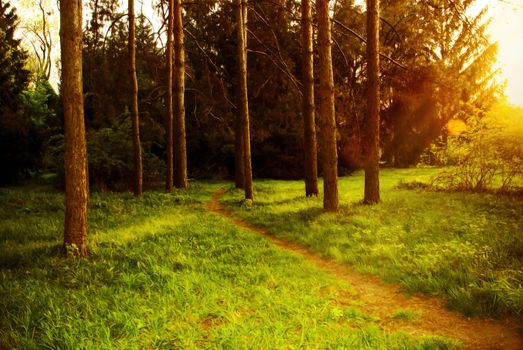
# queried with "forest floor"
point(381, 300)
point(165, 272)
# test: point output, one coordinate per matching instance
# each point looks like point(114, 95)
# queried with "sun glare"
point(506, 28)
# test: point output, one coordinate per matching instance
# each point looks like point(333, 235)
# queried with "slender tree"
point(180, 147)
point(327, 112)
point(75, 158)
point(137, 148)
point(372, 125)
point(239, 158)
point(241, 17)
point(309, 126)
point(169, 116)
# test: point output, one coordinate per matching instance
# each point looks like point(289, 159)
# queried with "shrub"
point(109, 153)
point(489, 156)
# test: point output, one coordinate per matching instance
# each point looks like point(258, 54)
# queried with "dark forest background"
point(437, 66)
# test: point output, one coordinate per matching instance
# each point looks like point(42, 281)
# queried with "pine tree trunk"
point(239, 165)
point(169, 116)
point(75, 159)
point(327, 112)
point(309, 126)
point(239, 159)
point(180, 148)
point(137, 149)
point(372, 184)
point(241, 17)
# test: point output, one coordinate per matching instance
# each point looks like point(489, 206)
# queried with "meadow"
point(464, 247)
point(164, 272)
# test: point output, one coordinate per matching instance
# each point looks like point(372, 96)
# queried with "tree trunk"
point(241, 18)
point(239, 159)
point(309, 126)
point(137, 149)
point(327, 112)
point(169, 116)
point(180, 148)
point(239, 165)
point(75, 159)
point(372, 182)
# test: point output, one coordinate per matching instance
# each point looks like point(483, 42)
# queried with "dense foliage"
point(438, 67)
point(17, 145)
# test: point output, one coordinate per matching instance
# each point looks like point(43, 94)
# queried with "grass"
point(466, 247)
point(165, 273)
point(406, 314)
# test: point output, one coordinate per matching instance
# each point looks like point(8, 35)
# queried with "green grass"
point(165, 273)
point(465, 247)
point(406, 314)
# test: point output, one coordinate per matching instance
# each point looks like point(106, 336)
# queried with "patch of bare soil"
point(382, 300)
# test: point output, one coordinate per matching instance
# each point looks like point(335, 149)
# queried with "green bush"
point(109, 153)
point(487, 157)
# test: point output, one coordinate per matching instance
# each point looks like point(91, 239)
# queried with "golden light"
point(506, 29)
point(456, 127)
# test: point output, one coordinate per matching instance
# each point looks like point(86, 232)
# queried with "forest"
point(258, 174)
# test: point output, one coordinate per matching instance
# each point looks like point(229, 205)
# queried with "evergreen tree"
point(18, 149)
point(13, 75)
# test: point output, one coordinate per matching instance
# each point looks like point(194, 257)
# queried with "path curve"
point(381, 300)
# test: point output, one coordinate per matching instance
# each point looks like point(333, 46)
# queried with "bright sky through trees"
point(506, 28)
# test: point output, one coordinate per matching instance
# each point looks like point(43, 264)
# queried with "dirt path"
point(381, 300)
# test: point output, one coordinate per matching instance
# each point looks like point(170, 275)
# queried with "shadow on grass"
point(30, 257)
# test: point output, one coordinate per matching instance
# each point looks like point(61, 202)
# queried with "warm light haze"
point(506, 27)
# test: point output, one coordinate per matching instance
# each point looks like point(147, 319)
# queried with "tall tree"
point(180, 147)
point(327, 112)
point(75, 158)
point(309, 126)
point(137, 148)
point(239, 157)
point(372, 125)
point(169, 115)
point(241, 11)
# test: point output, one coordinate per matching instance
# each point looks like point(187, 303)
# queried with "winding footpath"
point(381, 300)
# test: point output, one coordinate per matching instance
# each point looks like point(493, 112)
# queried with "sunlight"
point(506, 28)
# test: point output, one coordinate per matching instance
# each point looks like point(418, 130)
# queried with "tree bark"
point(239, 168)
point(309, 126)
point(372, 182)
point(75, 158)
point(169, 116)
point(327, 112)
point(239, 158)
point(137, 148)
point(180, 147)
point(241, 18)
